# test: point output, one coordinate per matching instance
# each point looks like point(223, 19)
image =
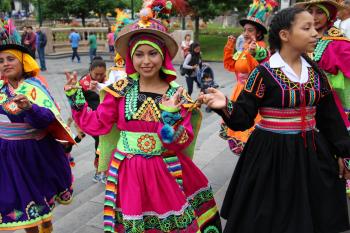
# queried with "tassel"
point(167, 133)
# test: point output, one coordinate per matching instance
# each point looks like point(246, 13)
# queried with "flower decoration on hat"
point(8, 33)
point(121, 20)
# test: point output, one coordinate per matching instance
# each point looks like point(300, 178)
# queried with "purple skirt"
point(33, 175)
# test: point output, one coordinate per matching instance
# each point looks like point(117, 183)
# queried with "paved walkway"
point(84, 214)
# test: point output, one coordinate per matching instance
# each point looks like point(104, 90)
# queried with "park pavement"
point(84, 214)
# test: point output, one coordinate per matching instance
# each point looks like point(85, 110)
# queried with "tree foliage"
point(5, 5)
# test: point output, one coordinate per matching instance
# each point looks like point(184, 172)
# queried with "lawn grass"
point(212, 47)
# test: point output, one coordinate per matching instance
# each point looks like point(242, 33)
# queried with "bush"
point(212, 47)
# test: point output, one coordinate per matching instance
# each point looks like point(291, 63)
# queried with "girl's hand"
point(214, 99)
point(22, 102)
point(252, 46)
point(71, 81)
point(93, 85)
point(343, 171)
point(231, 38)
point(174, 101)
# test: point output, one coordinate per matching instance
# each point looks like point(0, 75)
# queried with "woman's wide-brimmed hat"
point(145, 25)
point(338, 4)
point(258, 13)
point(9, 37)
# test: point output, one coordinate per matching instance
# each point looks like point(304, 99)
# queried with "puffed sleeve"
point(330, 123)
point(240, 115)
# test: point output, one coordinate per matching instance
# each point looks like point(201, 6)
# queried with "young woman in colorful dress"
point(149, 126)
point(34, 171)
point(243, 62)
point(288, 178)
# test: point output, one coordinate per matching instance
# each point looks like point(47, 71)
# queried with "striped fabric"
point(19, 131)
point(286, 121)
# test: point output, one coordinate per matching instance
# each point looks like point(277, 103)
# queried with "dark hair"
point(29, 27)
point(187, 35)
point(281, 21)
point(97, 62)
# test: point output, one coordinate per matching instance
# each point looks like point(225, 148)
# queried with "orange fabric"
point(43, 81)
point(240, 66)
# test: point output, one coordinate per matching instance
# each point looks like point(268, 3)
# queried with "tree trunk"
point(196, 28)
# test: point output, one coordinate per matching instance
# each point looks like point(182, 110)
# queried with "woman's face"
point(320, 17)
point(10, 66)
point(188, 38)
point(249, 32)
point(147, 61)
point(98, 74)
point(303, 36)
point(197, 49)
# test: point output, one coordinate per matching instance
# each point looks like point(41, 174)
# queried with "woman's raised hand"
point(72, 80)
point(231, 38)
point(175, 100)
point(22, 102)
point(214, 99)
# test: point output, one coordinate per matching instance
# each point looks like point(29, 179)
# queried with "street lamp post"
point(39, 13)
point(132, 10)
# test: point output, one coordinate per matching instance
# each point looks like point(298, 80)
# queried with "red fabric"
point(85, 82)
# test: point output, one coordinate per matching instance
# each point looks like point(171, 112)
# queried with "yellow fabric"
point(29, 64)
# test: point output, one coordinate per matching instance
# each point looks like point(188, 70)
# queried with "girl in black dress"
point(290, 176)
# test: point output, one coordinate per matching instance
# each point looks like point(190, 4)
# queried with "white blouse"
point(276, 61)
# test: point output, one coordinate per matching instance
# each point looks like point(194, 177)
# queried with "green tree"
point(205, 10)
point(5, 5)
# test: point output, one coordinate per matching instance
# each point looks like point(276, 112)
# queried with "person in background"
point(92, 45)
point(240, 43)
point(41, 41)
point(185, 45)
point(24, 34)
point(343, 22)
point(192, 62)
point(74, 39)
point(29, 41)
point(110, 41)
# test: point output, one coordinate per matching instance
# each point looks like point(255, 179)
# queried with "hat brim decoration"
point(9, 37)
point(339, 6)
point(122, 42)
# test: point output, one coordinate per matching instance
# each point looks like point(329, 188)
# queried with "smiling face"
point(10, 66)
point(147, 61)
point(320, 17)
point(302, 36)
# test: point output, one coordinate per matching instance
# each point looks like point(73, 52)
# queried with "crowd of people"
point(287, 118)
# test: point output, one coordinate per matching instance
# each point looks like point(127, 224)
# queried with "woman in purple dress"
point(34, 172)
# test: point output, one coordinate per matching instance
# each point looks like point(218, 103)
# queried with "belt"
point(20, 131)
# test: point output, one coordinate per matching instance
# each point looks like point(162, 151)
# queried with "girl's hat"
point(146, 24)
point(332, 6)
point(258, 13)
point(9, 37)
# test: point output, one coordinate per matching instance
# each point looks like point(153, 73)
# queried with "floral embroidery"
point(146, 143)
point(33, 93)
point(33, 211)
point(183, 138)
point(3, 98)
point(12, 108)
point(15, 214)
point(120, 84)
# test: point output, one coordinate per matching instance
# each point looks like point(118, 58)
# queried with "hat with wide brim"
point(256, 22)
point(15, 47)
point(313, 2)
point(122, 42)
